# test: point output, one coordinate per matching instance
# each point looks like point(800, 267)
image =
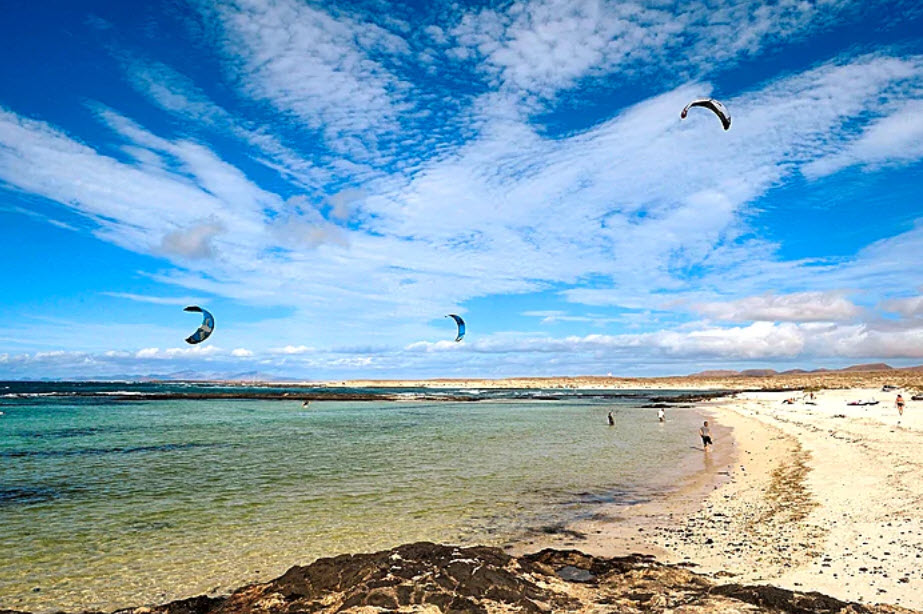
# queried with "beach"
point(825, 497)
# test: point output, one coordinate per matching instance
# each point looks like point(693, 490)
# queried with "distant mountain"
point(759, 372)
point(875, 366)
point(716, 373)
point(863, 368)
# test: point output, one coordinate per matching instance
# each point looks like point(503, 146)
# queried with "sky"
point(330, 179)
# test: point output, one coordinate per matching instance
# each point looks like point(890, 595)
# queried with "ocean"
point(110, 499)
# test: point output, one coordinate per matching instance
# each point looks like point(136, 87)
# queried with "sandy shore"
point(823, 497)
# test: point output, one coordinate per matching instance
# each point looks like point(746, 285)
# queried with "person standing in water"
point(660, 414)
point(611, 419)
point(705, 433)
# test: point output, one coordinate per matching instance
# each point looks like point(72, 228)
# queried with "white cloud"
point(438, 346)
point(194, 241)
point(147, 353)
point(544, 46)
point(356, 361)
point(760, 342)
point(177, 94)
point(195, 352)
point(130, 204)
point(292, 349)
point(911, 306)
point(795, 307)
point(436, 33)
point(302, 225)
point(156, 300)
point(316, 67)
point(893, 139)
point(553, 316)
point(37, 216)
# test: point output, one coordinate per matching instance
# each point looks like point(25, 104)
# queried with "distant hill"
point(716, 373)
point(875, 366)
point(863, 368)
point(759, 372)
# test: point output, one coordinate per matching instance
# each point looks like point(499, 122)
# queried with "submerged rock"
point(431, 578)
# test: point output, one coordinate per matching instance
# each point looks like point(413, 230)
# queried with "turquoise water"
point(111, 504)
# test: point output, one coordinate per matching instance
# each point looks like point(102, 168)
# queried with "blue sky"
point(331, 179)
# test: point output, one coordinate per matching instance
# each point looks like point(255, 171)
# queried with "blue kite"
point(205, 330)
point(461, 326)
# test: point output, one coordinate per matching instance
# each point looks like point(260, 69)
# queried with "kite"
point(205, 330)
point(461, 326)
point(712, 105)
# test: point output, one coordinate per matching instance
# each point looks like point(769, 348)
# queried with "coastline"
point(823, 497)
point(617, 529)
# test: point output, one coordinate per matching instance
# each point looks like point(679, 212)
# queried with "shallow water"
point(111, 504)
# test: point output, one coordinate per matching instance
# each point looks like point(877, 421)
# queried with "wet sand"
point(823, 497)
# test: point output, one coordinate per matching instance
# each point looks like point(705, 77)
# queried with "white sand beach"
point(824, 497)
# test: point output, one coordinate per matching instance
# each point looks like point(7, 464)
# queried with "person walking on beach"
point(660, 414)
point(899, 401)
point(705, 433)
point(611, 419)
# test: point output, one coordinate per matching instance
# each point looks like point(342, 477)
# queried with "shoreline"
point(823, 497)
point(620, 530)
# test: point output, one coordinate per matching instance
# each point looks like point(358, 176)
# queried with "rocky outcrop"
point(432, 578)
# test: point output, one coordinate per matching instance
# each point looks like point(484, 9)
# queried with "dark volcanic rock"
point(425, 577)
point(285, 396)
point(694, 397)
point(772, 599)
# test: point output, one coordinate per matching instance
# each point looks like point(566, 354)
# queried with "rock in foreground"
point(431, 578)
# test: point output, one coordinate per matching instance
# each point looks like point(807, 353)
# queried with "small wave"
point(70, 433)
point(169, 447)
point(60, 393)
point(27, 495)
point(35, 395)
point(122, 393)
